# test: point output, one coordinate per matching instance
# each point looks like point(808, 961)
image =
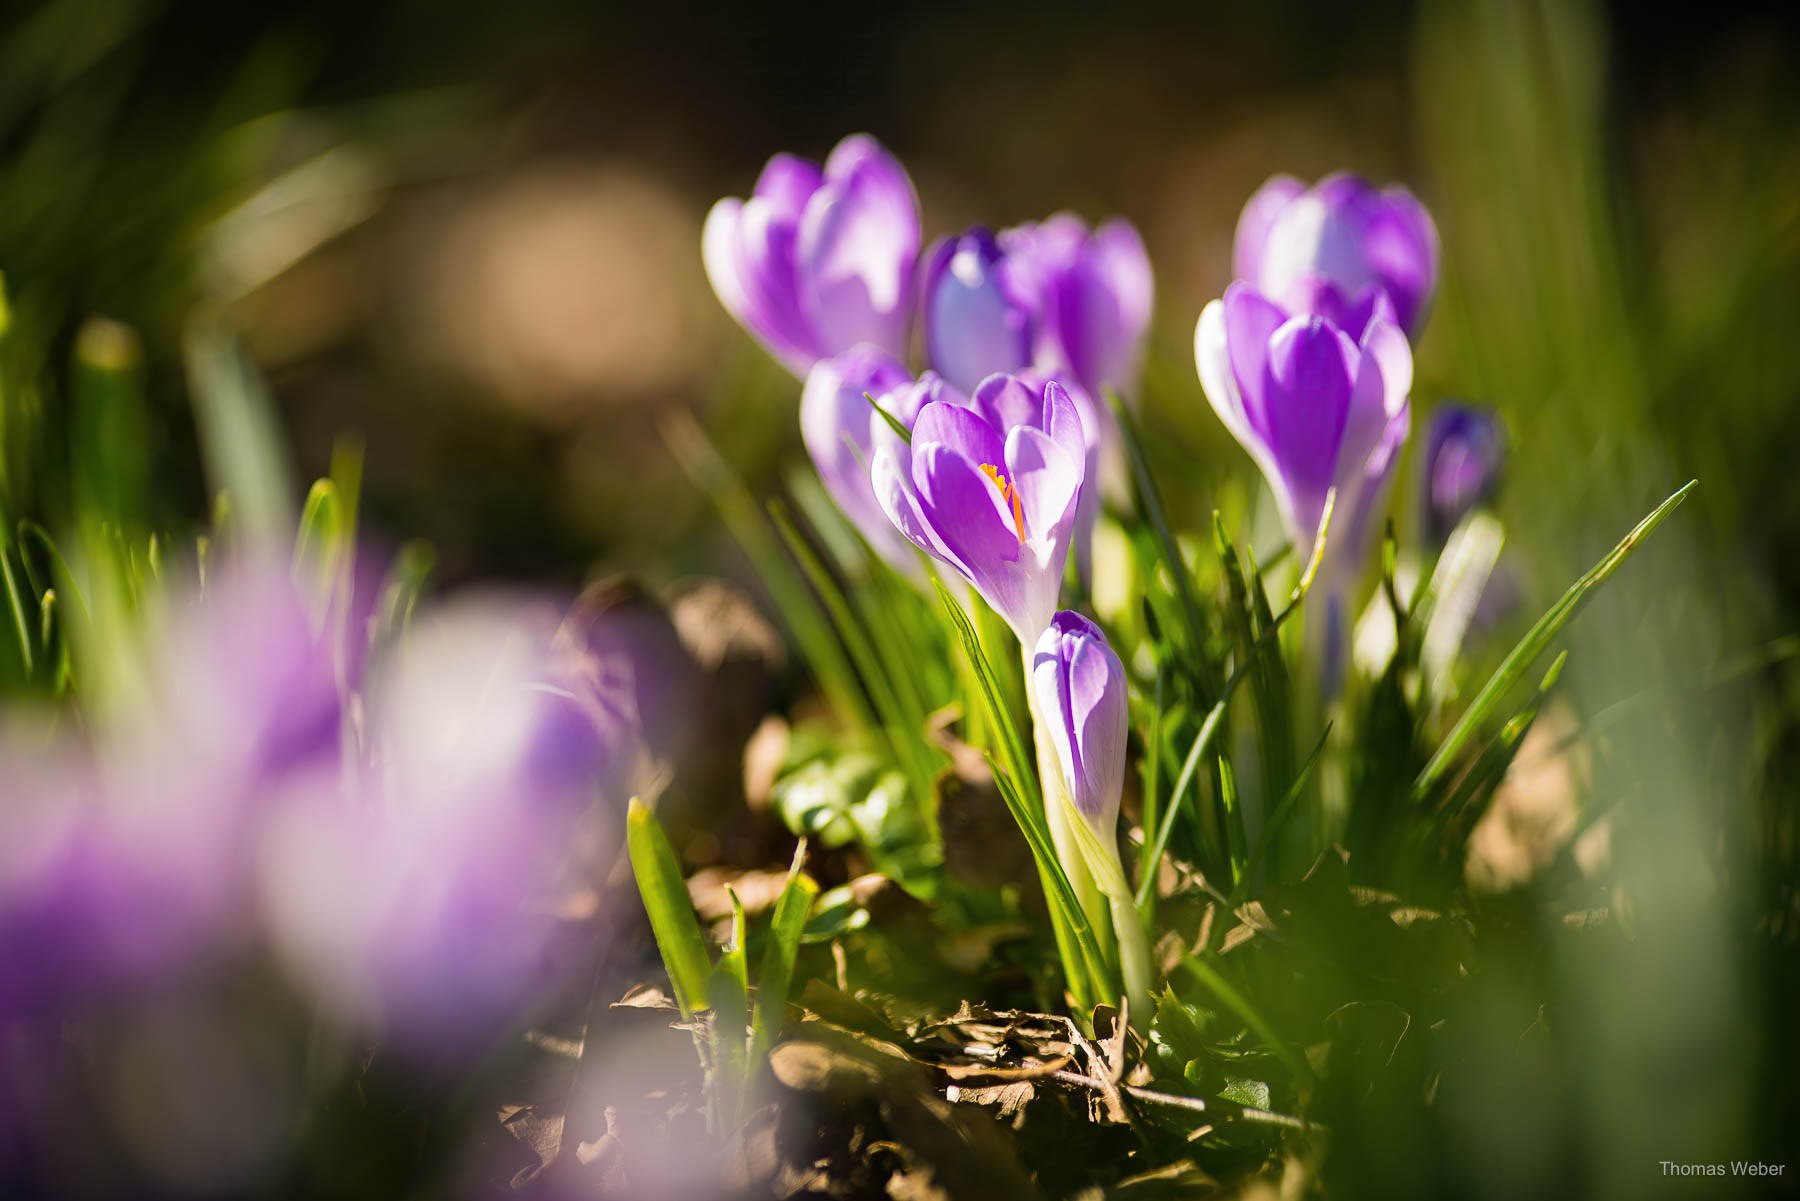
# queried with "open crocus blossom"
point(1316, 405)
point(992, 491)
point(1052, 295)
point(1079, 701)
point(817, 261)
point(1465, 452)
point(842, 432)
point(1333, 248)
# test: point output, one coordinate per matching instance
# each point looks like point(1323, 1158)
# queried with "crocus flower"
point(421, 899)
point(842, 432)
point(817, 261)
point(993, 493)
point(1050, 295)
point(1079, 690)
point(1330, 249)
point(1465, 453)
point(1317, 405)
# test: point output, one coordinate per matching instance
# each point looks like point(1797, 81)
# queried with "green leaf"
point(15, 603)
point(1150, 500)
point(1533, 644)
point(728, 991)
point(319, 547)
point(1215, 982)
point(672, 919)
point(776, 977)
point(240, 440)
point(900, 431)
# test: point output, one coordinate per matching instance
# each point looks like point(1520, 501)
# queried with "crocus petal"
point(1064, 420)
point(1256, 220)
point(1101, 309)
point(1046, 480)
point(857, 244)
point(1309, 378)
point(1005, 400)
point(965, 507)
point(1251, 320)
point(893, 488)
point(765, 269)
point(974, 323)
point(962, 429)
point(788, 182)
point(839, 428)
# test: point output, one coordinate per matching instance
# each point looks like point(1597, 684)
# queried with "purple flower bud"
point(842, 432)
point(992, 490)
point(816, 262)
point(1330, 249)
point(1316, 406)
point(1049, 295)
point(1465, 454)
point(1079, 692)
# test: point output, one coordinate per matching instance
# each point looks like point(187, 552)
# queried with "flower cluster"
point(823, 267)
point(998, 475)
point(390, 825)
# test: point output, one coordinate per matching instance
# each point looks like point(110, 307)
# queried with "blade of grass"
point(1150, 501)
point(1214, 982)
point(16, 605)
point(805, 621)
point(671, 913)
point(1533, 644)
point(776, 977)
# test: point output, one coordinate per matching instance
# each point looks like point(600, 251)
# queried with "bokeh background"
point(470, 233)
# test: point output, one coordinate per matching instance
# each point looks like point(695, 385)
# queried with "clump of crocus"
point(992, 491)
point(1333, 248)
point(843, 433)
point(1079, 697)
point(1052, 295)
point(1465, 454)
point(817, 261)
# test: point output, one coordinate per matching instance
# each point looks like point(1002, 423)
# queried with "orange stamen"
point(1006, 490)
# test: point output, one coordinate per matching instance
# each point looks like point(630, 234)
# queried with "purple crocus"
point(842, 432)
point(1317, 406)
point(1332, 248)
point(992, 490)
point(1465, 453)
point(421, 897)
point(817, 261)
point(1079, 690)
point(1050, 295)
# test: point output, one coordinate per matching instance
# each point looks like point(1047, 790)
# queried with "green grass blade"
point(1533, 644)
point(672, 918)
point(775, 978)
point(240, 441)
point(16, 605)
point(1214, 982)
point(1150, 501)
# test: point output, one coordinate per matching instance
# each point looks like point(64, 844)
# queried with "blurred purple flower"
point(1316, 405)
point(817, 261)
point(1465, 453)
point(992, 490)
point(843, 432)
point(1049, 295)
point(1080, 693)
point(1330, 249)
point(421, 899)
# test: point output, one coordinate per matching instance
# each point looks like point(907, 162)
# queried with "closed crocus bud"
point(1330, 248)
point(979, 316)
point(842, 431)
point(1316, 405)
point(819, 260)
point(1078, 687)
point(992, 492)
point(1465, 454)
